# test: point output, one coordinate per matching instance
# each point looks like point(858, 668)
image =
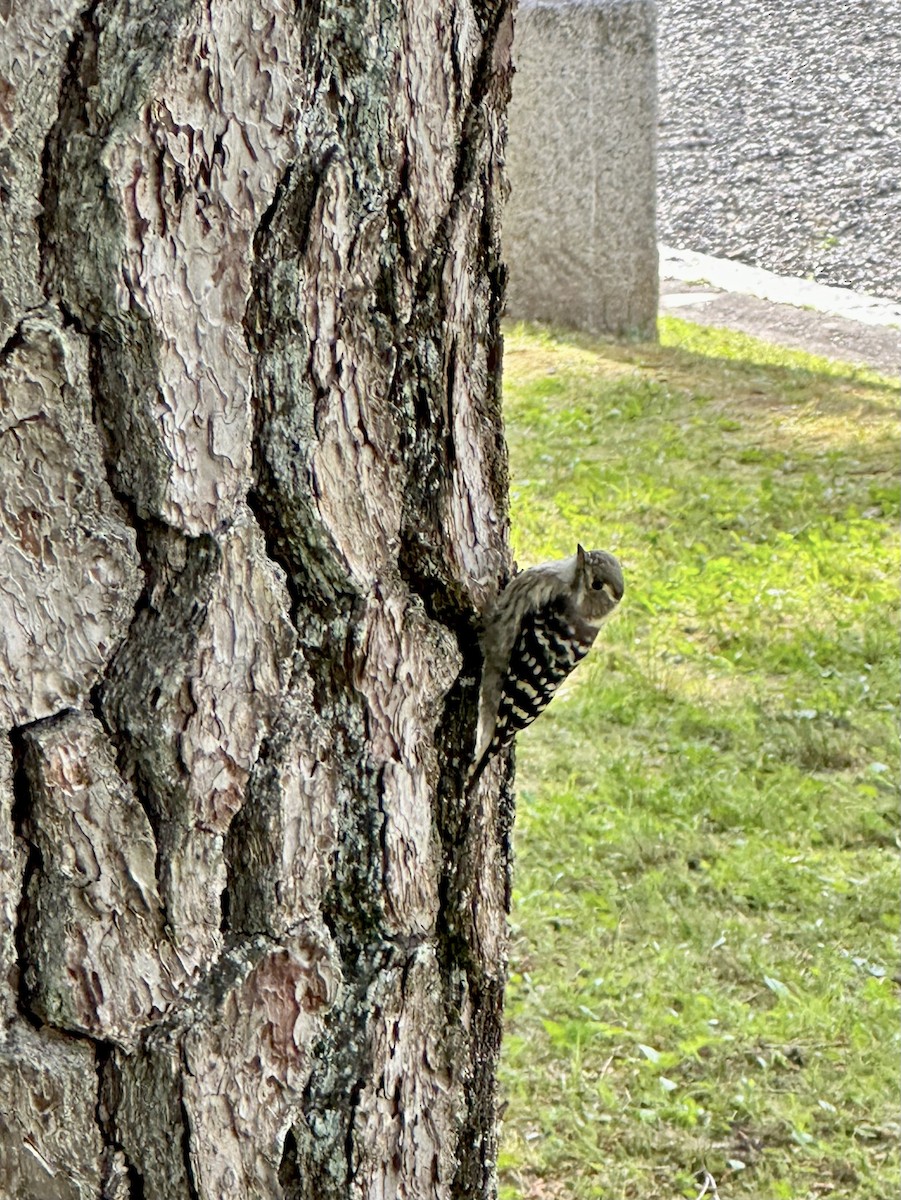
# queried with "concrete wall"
point(579, 231)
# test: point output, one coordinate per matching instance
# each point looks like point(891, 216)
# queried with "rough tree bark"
point(252, 501)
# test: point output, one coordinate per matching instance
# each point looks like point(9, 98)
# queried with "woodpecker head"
point(599, 584)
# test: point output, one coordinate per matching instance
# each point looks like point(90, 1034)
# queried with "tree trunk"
point(252, 502)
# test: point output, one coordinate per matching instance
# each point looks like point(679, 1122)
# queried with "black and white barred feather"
point(544, 622)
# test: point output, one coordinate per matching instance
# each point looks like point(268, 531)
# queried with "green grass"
point(703, 972)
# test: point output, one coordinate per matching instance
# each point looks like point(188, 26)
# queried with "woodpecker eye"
point(597, 585)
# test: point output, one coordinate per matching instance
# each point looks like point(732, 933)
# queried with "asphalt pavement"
point(837, 323)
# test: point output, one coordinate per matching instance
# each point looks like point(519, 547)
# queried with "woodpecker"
point(542, 624)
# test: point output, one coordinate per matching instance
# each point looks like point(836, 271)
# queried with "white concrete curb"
point(691, 267)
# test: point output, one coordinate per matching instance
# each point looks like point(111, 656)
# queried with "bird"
point(543, 622)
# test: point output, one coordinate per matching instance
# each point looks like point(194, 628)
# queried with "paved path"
point(835, 322)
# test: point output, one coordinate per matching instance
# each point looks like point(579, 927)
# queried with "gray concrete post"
point(579, 231)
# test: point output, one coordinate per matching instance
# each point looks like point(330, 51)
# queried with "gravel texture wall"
point(780, 136)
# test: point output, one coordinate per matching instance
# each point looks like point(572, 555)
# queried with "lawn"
point(703, 993)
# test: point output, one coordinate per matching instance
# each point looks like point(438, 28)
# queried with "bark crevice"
point(117, 1165)
point(20, 815)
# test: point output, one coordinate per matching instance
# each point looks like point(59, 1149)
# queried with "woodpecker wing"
point(546, 649)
